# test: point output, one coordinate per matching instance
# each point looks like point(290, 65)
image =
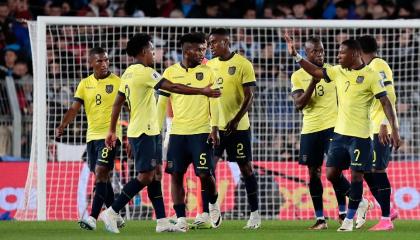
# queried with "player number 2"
point(240, 149)
point(105, 153)
point(357, 152)
point(203, 159)
point(98, 99)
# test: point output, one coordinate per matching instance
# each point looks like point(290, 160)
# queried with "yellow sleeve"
point(330, 72)
point(248, 73)
point(214, 102)
point(152, 77)
point(122, 86)
point(79, 95)
point(161, 109)
point(296, 83)
point(377, 85)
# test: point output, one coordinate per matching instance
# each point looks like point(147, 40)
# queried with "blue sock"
point(251, 186)
point(154, 191)
point(356, 193)
point(342, 208)
point(179, 210)
point(128, 192)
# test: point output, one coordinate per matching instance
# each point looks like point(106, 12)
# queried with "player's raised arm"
point(116, 109)
point(68, 117)
point(167, 85)
point(312, 69)
point(392, 118)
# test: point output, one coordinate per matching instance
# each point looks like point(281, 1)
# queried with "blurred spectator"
point(379, 12)
point(313, 9)
point(250, 13)
point(55, 9)
point(120, 12)
point(299, 10)
point(97, 7)
point(10, 58)
point(176, 13)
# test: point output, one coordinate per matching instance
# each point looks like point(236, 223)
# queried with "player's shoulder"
point(298, 74)
point(241, 60)
point(88, 79)
point(379, 64)
point(114, 77)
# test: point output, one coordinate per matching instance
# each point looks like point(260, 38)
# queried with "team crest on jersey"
point(360, 79)
point(199, 76)
point(232, 70)
point(109, 88)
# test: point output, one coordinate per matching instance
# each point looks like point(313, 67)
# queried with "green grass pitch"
point(144, 230)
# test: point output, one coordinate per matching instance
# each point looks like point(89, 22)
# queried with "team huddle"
point(344, 108)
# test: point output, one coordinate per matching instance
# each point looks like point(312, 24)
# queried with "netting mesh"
point(275, 123)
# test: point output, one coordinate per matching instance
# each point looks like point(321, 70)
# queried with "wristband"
point(298, 58)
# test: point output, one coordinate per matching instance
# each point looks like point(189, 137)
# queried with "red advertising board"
point(283, 190)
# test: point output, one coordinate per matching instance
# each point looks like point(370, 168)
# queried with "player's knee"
point(158, 173)
point(204, 176)
point(314, 172)
point(145, 178)
point(332, 175)
point(101, 174)
point(246, 169)
point(356, 176)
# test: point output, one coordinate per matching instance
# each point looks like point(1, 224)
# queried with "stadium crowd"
point(269, 64)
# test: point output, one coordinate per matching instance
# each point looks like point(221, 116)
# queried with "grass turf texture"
point(271, 230)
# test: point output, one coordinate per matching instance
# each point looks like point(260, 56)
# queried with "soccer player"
point(378, 179)
point(97, 93)
point(351, 146)
point(236, 77)
point(317, 99)
point(139, 82)
point(194, 127)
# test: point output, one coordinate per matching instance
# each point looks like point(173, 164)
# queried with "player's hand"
point(395, 140)
point(209, 92)
point(290, 44)
point(384, 137)
point(110, 140)
point(59, 131)
point(231, 126)
point(214, 137)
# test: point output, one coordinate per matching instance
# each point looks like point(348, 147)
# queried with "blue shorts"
point(313, 146)
point(237, 146)
point(353, 152)
point(145, 152)
point(186, 149)
point(99, 154)
point(382, 154)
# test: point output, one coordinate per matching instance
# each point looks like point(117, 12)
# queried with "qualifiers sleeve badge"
point(109, 89)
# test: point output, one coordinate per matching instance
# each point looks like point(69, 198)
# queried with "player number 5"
point(203, 159)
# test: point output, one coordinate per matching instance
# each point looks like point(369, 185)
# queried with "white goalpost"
point(58, 187)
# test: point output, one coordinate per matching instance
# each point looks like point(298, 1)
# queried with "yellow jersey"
point(321, 111)
point(232, 75)
point(138, 86)
point(356, 89)
point(97, 97)
point(377, 112)
point(193, 114)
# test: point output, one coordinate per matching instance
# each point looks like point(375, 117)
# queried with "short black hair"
point(137, 43)
point(313, 39)
point(220, 31)
point(352, 44)
point(195, 37)
point(368, 44)
point(96, 50)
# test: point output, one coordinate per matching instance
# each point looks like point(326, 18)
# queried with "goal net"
point(59, 185)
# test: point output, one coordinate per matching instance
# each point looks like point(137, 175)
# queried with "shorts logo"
point(153, 163)
point(109, 89)
point(170, 164)
point(304, 158)
point(199, 76)
point(360, 79)
point(232, 70)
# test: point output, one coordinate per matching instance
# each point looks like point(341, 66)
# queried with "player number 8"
point(105, 152)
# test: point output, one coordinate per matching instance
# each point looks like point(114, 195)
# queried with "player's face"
point(217, 44)
point(100, 64)
point(149, 54)
point(345, 56)
point(315, 53)
point(194, 52)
